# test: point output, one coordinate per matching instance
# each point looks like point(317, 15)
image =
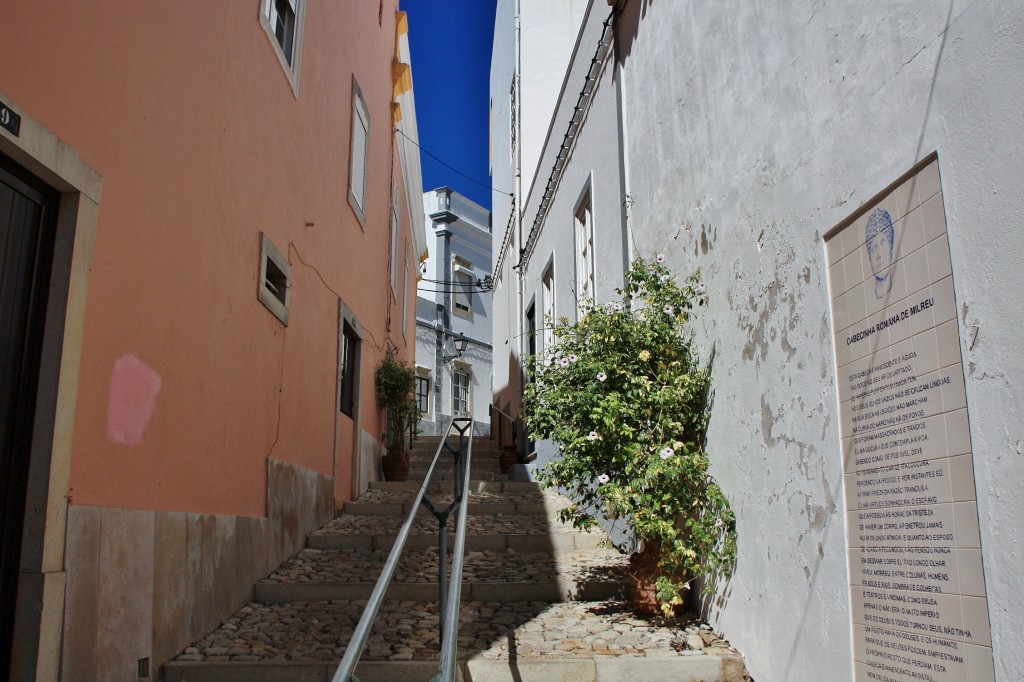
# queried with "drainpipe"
point(517, 206)
point(624, 188)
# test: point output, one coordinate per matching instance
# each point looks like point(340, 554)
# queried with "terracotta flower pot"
point(395, 465)
point(644, 593)
point(644, 572)
point(509, 456)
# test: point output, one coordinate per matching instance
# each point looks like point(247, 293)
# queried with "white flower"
point(660, 258)
point(564, 362)
point(618, 307)
point(573, 357)
point(700, 288)
point(667, 452)
point(603, 478)
point(601, 376)
point(592, 435)
point(669, 310)
point(719, 523)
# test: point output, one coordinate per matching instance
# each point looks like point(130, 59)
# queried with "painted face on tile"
point(879, 236)
point(880, 254)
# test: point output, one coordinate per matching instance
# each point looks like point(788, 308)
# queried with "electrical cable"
point(449, 166)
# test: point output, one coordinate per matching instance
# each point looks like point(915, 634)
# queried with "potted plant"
point(395, 386)
point(625, 397)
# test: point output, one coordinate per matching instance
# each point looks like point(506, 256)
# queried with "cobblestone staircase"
point(540, 600)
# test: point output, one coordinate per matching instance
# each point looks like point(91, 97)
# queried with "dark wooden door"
point(26, 212)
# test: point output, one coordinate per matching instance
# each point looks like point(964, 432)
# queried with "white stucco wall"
point(754, 129)
point(548, 33)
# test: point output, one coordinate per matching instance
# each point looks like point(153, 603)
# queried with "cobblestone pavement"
point(360, 566)
point(404, 630)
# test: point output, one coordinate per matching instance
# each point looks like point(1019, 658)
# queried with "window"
point(359, 154)
point(460, 391)
point(547, 301)
point(282, 20)
point(405, 292)
point(275, 279)
point(462, 291)
point(584, 229)
point(349, 370)
point(423, 394)
point(531, 339)
point(394, 246)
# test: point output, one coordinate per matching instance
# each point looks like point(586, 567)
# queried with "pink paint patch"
point(131, 401)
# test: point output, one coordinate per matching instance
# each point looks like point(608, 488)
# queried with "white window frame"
point(359, 154)
point(459, 369)
point(405, 294)
point(583, 228)
point(394, 247)
point(462, 287)
point(548, 311)
point(268, 19)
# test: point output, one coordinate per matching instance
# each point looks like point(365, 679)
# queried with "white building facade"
point(453, 304)
point(761, 145)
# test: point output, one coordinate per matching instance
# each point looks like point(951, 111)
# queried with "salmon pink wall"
point(188, 383)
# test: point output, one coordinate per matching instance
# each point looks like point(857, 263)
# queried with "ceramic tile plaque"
point(917, 588)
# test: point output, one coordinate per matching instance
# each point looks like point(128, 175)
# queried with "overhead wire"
point(449, 166)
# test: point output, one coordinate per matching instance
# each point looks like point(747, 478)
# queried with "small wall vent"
point(275, 279)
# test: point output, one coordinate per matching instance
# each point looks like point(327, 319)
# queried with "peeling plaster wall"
point(755, 128)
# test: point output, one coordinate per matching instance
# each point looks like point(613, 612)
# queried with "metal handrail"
point(346, 669)
point(450, 616)
point(511, 420)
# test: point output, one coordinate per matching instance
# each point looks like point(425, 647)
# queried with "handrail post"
point(442, 570)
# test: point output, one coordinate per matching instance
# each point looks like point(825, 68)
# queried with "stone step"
point(550, 592)
point(557, 542)
point(475, 486)
point(477, 465)
point(385, 503)
point(481, 450)
point(488, 576)
point(449, 476)
point(483, 460)
point(525, 641)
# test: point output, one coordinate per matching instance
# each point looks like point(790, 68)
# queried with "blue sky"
point(451, 62)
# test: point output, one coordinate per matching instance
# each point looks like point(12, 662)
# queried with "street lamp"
point(460, 343)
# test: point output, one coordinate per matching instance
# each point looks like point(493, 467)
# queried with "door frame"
point(37, 248)
point(39, 621)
